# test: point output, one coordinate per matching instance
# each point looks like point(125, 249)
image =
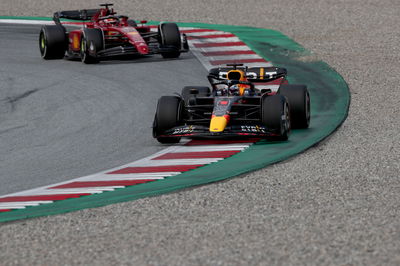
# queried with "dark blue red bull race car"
point(242, 102)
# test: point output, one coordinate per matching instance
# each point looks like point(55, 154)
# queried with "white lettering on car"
point(183, 130)
point(256, 129)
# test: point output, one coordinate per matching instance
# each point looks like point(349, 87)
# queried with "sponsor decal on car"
point(183, 130)
point(256, 129)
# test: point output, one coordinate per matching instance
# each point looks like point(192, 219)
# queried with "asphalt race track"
point(72, 119)
point(337, 203)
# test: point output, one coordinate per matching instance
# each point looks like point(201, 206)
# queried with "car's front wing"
point(130, 50)
point(192, 131)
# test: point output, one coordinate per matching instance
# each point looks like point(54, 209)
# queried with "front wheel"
point(170, 37)
point(275, 115)
point(168, 115)
point(92, 41)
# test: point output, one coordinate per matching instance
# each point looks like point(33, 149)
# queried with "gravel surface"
point(337, 203)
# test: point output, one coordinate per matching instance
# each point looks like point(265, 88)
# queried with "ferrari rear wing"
point(84, 14)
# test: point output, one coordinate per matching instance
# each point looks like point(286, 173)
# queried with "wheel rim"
point(83, 49)
point(286, 127)
point(42, 44)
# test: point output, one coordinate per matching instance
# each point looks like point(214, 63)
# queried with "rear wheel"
point(92, 41)
point(170, 37)
point(275, 115)
point(299, 101)
point(168, 115)
point(52, 42)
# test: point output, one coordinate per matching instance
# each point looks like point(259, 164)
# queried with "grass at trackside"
point(330, 102)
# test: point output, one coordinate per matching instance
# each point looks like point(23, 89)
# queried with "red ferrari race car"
point(104, 34)
point(240, 103)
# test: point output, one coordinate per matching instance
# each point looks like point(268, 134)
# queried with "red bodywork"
point(112, 36)
point(115, 32)
point(104, 34)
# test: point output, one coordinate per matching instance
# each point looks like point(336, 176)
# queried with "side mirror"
point(143, 21)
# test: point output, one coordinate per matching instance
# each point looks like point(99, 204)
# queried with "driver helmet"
point(237, 74)
point(112, 21)
point(234, 90)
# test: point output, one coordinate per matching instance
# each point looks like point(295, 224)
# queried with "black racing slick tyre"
point(168, 115)
point(275, 115)
point(53, 42)
point(92, 41)
point(187, 95)
point(299, 101)
point(170, 37)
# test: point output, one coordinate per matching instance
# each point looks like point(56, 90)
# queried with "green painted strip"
point(25, 18)
point(330, 102)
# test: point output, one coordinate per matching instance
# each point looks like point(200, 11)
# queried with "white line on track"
point(144, 176)
point(128, 177)
point(206, 33)
point(224, 48)
point(215, 40)
point(17, 204)
point(213, 148)
point(27, 21)
point(178, 162)
point(237, 57)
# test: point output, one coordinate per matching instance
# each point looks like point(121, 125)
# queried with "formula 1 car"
point(242, 102)
point(104, 34)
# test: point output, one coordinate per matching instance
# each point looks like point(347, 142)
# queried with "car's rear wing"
point(253, 74)
point(84, 14)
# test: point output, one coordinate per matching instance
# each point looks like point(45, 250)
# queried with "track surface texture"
point(62, 119)
point(337, 203)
